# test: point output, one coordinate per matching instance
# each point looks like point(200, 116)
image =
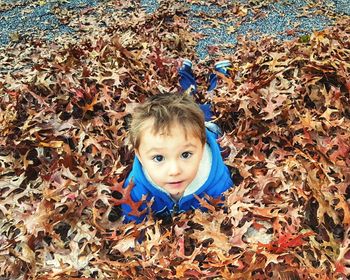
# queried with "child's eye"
point(158, 158)
point(186, 155)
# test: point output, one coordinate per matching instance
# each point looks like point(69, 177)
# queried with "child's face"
point(171, 160)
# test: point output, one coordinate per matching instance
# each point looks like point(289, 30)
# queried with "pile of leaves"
point(64, 114)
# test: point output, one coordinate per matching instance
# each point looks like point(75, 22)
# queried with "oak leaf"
point(126, 198)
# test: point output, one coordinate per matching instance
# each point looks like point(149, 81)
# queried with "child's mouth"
point(176, 184)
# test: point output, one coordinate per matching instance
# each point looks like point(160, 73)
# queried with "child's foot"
point(222, 67)
point(187, 79)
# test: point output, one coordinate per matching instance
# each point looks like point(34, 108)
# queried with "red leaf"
point(181, 246)
point(86, 10)
point(286, 241)
point(339, 267)
point(127, 199)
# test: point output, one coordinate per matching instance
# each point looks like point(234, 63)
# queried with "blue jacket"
point(219, 181)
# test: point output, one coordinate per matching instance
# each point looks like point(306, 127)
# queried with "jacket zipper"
point(176, 206)
point(175, 209)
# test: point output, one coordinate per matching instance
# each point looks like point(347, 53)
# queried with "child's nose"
point(174, 168)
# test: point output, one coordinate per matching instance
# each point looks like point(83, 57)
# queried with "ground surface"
point(284, 19)
point(71, 73)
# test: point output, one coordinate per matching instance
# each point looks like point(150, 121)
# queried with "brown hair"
point(165, 110)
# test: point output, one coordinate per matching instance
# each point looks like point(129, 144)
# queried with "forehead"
point(174, 129)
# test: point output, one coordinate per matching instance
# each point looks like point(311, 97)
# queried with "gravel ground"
point(279, 17)
point(35, 17)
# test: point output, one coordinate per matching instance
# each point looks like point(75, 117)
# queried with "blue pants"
point(187, 80)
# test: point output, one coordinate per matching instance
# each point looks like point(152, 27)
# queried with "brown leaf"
point(127, 199)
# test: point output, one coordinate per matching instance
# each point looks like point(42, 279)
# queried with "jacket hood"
point(213, 186)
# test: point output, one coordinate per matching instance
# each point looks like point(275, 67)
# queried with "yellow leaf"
point(231, 29)
point(52, 144)
point(14, 36)
point(242, 11)
point(27, 254)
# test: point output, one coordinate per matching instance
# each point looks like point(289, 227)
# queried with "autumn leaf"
point(127, 199)
point(64, 116)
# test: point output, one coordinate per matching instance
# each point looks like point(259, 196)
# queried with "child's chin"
point(174, 192)
point(176, 196)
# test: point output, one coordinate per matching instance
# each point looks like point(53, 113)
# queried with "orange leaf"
point(127, 199)
point(204, 203)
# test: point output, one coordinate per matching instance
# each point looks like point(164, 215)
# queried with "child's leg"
point(187, 78)
point(223, 67)
point(208, 113)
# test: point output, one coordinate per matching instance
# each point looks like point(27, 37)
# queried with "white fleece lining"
point(201, 176)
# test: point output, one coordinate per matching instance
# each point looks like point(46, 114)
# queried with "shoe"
point(187, 78)
point(223, 67)
point(187, 65)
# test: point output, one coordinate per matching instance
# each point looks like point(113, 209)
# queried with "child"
point(176, 155)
